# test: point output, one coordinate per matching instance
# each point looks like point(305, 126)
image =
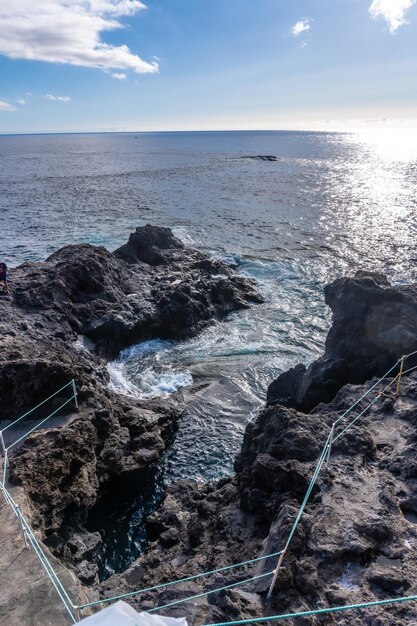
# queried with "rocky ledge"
point(66, 316)
point(357, 540)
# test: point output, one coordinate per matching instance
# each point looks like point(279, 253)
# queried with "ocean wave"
point(138, 372)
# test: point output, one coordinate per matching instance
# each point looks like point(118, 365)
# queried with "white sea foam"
point(184, 235)
point(151, 378)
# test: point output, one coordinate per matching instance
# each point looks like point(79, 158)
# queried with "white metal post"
point(19, 515)
point(74, 388)
point(274, 580)
point(3, 447)
point(329, 451)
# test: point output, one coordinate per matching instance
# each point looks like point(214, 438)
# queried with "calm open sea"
point(330, 204)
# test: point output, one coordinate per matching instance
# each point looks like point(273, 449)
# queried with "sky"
point(128, 65)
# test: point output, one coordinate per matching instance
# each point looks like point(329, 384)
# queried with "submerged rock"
point(261, 157)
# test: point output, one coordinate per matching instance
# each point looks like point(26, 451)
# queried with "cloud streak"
point(69, 32)
point(300, 27)
point(392, 11)
point(5, 106)
point(49, 96)
point(119, 76)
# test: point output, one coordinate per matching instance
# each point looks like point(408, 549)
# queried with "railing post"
point(19, 515)
point(74, 388)
point(3, 447)
point(5, 468)
point(397, 391)
point(329, 451)
point(274, 580)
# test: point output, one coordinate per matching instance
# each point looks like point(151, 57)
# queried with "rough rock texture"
point(357, 540)
point(373, 325)
point(65, 470)
point(86, 297)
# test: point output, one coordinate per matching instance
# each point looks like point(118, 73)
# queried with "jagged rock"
point(354, 518)
point(87, 572)
point(373, 325)
point(86, 291)
point(65, 314)
point(362, 508)
point(149, 245)
point(83, 546)
point(357, 538)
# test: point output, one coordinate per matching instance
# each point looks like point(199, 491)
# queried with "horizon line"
point(206, 131)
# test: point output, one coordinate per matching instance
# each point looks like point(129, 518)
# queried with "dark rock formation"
point(150, 245)
point(86, 297)
point(357, 540)
point(113, 299)
point(261, 157)
point(373, 325)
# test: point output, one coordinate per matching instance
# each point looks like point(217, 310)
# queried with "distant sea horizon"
point(403, 125)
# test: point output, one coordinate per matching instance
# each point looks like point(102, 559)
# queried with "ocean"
point(330, 204)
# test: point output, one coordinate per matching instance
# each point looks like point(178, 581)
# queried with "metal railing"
point(74, 609)
point(27, 533)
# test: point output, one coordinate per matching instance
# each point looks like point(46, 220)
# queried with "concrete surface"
point(27, 596)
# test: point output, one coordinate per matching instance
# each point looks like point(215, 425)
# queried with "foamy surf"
point(152, 377)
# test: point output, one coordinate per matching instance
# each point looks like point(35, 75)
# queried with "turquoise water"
point(332, 203)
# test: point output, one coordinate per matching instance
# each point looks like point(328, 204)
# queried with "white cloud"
point(119, 76)
point(21, 101)
point(392, 11)
point(300, 27)
point(5, 106)
point(49, 96)
point(68, 31)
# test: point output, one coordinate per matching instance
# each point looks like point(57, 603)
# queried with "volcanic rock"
point(354, 542)
point(66, 316)
point(373, 325)
point(357, 538)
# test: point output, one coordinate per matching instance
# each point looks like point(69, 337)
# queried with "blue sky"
point(92, 65)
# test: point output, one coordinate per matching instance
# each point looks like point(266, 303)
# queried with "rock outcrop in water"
point(357, 540)
point(114, 300)
point(261, 157)
point(85, 295)
point(373, 325)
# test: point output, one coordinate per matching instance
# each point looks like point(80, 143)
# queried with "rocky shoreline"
point(151, 287)
point(357, 540)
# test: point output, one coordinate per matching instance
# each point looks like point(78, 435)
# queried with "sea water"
point(330, 204)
